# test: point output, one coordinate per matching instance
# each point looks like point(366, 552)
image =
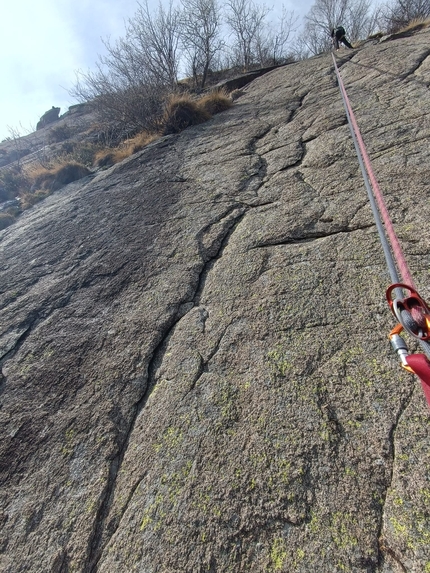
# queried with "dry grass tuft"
point(27, 200)
point(414, 25)
point(141, 140)
point(30, 184)
point(55, 177)
point(110, 156)
point(215, 102)
point(181, 112)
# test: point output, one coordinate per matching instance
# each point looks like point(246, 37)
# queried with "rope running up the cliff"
point(408, 307)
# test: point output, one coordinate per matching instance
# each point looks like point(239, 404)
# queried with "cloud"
point(42, 45)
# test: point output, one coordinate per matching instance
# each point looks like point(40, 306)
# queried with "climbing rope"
point(407, 305)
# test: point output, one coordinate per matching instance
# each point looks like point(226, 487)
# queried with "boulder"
point(78, 109)
point(50, 116)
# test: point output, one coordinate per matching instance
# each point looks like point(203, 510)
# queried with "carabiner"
point(411, 311)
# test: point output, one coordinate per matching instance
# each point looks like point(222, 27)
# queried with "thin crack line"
point(97, 543)
point(310, 238)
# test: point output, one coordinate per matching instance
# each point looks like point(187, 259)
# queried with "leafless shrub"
point(132, 80)
point(200, 36)
point(20, 147)
point(245, 20)
point(398, 15)
point(13, 181)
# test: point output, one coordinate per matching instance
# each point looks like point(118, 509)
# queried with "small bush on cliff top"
point(12, 182)
point(215, 102)
point(31, 184)
point(58, 175)
point(182, 111)
point(109, 156)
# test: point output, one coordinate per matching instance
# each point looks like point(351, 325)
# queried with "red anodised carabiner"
point(411, 311)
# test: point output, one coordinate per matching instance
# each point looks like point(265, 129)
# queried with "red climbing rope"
point(407, 306)
point(395, 245)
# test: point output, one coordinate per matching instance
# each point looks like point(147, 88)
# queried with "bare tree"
point(200, 35)
point(279, 36)
point(399, 13)
point(354, 15)
point(246, 21)
point(154, 40)
point(130, 104)
point(131, 80)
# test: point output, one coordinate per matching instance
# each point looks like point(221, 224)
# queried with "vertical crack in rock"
point(209, 245)
point(222, 245)
point(203, 363)
point(258, 170)
point(295, 106)
point(258, 176)
point(392, 452)
point(97, 540)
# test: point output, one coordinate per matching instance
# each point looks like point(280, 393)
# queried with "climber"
point(338, 35)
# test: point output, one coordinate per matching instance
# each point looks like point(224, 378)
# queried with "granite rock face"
point(196, 374)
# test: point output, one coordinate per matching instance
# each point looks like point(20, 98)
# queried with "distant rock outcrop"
point(78, 109)
point(196, 375)
point(50, 116)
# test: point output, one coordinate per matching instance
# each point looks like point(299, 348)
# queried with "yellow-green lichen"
point(278, 554)
point(171, 439)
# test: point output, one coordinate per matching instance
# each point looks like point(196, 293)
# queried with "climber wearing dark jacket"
point(338, 35)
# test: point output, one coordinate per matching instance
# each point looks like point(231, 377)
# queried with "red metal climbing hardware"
point(411, 311)
point(420, 366)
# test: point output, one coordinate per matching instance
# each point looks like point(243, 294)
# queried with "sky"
point(44, 43)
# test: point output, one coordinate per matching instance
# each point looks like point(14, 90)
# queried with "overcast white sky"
point(43, 43)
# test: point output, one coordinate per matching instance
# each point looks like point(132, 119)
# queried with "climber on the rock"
point(338, 36)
